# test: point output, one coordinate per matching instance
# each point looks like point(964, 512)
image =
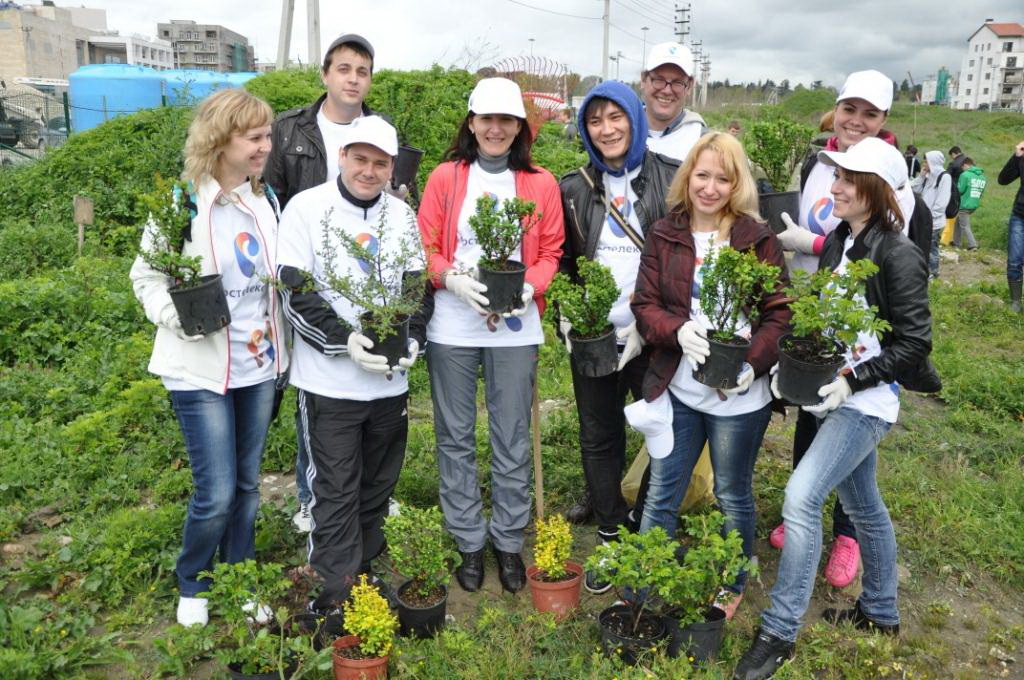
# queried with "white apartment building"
point(992, 72)
point(134, 49)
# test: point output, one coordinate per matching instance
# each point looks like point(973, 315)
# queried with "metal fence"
point(30, 123)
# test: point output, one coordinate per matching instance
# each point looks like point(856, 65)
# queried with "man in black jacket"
point(609, 207)
point(1011, 172)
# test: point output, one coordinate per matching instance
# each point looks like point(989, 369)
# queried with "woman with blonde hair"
point(222, 382)
point(712, 202)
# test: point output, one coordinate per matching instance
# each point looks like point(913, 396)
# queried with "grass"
point(94, 480)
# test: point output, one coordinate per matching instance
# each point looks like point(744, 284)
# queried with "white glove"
point(634, 343)
point(170, 320)
point(774, 383)
point(371, 363)
point(564, 327)
point(406, 362)
point(693, 338)
point(469, 290)
point(744, 379)
point(526, 299)
point(834, 393)
point(796, 237)
point(401, 192)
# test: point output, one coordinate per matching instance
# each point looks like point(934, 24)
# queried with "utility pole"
point(284, 38)
point(607, 19)
point(705, 73)
point(313, 31)
point(643, 53)
point(682, 23)
point(531, 47)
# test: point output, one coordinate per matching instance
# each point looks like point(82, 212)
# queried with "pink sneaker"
point(728, 602)
point(778, 537)
point(842, 565)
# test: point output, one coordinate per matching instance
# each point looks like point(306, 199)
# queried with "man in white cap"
point(351, 402)
point(666, 84)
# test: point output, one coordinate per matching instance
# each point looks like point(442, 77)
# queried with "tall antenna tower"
point(284, 40)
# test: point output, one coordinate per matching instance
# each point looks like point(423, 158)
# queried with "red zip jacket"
point(661, 300)
point(439, 223)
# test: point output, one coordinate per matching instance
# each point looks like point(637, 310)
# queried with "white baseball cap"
point(671, 53)
point(872, 86)
point(871, 155)
point(653, 419)
point(497, 95)
point(375, 131)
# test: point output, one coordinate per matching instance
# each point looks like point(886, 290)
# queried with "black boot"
point(511, 570)
point(764, 657)
point(1015, 290)
point(470, 574)
point(859, 620)
point(582, 511)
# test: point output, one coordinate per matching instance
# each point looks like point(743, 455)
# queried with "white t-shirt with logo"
point(684, 387)
point(334, 138)
point(456, 323)
point(816, 206)
point(882, 400)
point(615, 249)
point(302, 242)
point(243, 268)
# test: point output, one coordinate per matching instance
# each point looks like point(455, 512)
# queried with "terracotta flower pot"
point(558, 597)
point(356, 669)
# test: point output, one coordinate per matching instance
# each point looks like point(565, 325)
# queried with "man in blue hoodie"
point(609, 207)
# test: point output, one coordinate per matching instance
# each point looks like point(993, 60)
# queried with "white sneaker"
point(302, 520)
point(192, 611)
point(263, 612)
point(394, 508)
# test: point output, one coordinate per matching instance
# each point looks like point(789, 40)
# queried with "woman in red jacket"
point(490, 155)
point(712, 202)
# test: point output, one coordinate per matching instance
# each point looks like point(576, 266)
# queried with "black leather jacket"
point(297, 160)
point(585, 212)
point(900, 292)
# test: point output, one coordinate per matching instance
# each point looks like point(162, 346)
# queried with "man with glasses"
point(666, 85)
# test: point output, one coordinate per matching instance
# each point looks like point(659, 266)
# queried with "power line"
point(654, 9)
point(551, 11)
point(636, 11)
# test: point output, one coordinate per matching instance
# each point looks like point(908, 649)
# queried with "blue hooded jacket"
point(627, 100)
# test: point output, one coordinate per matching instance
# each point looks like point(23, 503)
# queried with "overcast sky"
point(748, 40)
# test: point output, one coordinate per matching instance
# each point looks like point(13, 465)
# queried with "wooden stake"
point(538, 468)
point(83, 216)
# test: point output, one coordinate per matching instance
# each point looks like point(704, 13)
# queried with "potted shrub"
point(421, 551)
point(827, 317)
point(363, 653)
point(554, 580)
point(733, 282)
point(499, 231)
point(250, 649)
point(200, 300)
point(586, 306)
point(776, 145)
point(712, 561)
point(637, 565)
point(388, 286)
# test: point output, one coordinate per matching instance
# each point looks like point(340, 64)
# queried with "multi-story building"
point(208, 47)
point(111, 48)
point(45, 41)
point(992, 72)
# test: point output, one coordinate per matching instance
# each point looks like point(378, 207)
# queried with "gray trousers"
point(509, 374)
point(962, 230)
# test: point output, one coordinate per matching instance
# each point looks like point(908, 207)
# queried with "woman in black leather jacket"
point(857, 409)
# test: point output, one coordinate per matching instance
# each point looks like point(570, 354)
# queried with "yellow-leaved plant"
point(551, 551)
point(368, 617)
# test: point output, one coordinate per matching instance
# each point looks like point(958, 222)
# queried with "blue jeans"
point(933, 255)
point(1015, 250)
point(734, 442)
point(224, 437)
point(843, 456)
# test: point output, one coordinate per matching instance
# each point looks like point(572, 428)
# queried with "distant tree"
point(905, 88)
point(585, 85)
point(784, 87)
point(895, 91)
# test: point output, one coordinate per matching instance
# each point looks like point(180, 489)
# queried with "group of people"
point(660, 192)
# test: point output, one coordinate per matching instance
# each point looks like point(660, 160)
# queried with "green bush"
point(285, 90)
point(29, 247)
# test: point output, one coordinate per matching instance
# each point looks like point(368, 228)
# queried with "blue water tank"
point(185, 86)
point(99, 92)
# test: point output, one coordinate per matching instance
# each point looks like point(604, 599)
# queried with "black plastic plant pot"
point(420, 622)
point(721, 367)
point(271, 675)
point(799, 380)
point(395, 346)
point(407, 164)
point(203, 308)
point(618, 618)
point(595, 357)
point(698, 641)
point(504, 287)
point(772, 205)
